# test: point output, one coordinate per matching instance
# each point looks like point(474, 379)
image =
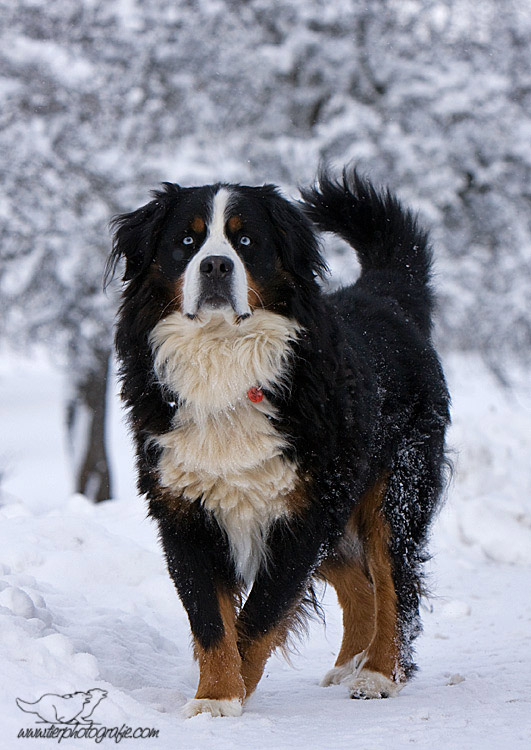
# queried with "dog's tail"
point(393, 250)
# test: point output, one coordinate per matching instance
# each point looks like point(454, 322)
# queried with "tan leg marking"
point(368, 662)
point(255, 654)
point(221, 688)
point(356, 598)
point(383, 651)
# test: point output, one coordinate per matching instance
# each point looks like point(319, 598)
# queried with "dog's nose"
point(216, 267)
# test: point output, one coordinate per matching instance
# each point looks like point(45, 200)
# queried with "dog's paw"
point(369, 684)
point(346, 671)
point(232, 707)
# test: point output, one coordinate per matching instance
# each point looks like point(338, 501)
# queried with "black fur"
point(366, 397)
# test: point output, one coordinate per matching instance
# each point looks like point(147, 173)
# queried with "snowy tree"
point(101, 100)
point(442, 113)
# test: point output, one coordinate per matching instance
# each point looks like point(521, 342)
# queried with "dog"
point(284, 435)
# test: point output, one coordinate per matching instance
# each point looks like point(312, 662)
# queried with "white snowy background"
point(103, 100)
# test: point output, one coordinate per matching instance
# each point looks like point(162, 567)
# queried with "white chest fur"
point(224, 448)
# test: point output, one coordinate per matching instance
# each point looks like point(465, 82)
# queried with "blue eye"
point(245, 240)
point(188, 240)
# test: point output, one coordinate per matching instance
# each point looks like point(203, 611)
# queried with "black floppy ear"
point(134, 238)
point(297, 244)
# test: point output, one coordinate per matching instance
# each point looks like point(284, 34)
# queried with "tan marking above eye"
point(198, 225)
point(235, 223)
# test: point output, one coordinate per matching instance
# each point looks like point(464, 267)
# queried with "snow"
point(51, 56)
point(85, 600)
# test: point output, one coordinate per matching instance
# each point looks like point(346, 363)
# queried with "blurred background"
point(101, 100)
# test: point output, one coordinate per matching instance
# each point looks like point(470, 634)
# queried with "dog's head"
point(225, 248)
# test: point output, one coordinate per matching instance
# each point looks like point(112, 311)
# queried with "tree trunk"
point(86, 420)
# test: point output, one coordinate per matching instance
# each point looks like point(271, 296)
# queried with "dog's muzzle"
point(215, 282)
point(216, 274)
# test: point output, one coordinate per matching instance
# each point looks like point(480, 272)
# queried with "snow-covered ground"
point(85, 601)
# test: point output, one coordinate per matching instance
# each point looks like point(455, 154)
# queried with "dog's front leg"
point(274, 603)
point(199, 566)
point(221, 688)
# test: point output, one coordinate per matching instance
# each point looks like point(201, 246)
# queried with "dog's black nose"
point(216, 267)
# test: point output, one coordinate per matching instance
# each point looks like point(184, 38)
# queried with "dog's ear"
point(297, 244)
point(134, 237)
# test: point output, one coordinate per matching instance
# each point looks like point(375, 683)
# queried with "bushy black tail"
point(391, 247)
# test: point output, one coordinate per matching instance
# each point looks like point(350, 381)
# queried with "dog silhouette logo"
point(70, 708)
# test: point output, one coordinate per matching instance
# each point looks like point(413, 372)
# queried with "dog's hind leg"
point(356, 597)
point(376, 671)
point(381, 673)
point(412, 497)
point(394, 520)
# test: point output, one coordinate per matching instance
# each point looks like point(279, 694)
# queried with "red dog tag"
point(255, 394)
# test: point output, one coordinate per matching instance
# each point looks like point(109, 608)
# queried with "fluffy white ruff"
point(223, 447)
point(347, 671)
point(369, 684)
point(212, 366)
point(232, 707)
point(226, 444)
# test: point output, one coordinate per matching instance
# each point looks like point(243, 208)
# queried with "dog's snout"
point(216, 267)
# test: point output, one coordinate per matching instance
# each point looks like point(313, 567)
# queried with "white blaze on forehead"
point(216, 226)
point(216, 243)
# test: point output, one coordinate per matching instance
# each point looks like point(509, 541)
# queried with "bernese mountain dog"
point(284, 435)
